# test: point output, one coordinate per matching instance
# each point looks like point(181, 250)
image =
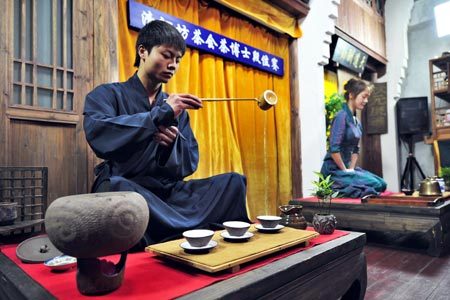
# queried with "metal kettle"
point(430, 187)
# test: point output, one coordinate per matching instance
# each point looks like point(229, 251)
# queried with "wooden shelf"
point(20, 225)
point(443, 94)
point(28, 187)
point(442, 133)
point(439, 69)
point(441, 62)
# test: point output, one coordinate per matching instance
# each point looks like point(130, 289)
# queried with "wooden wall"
point(46, 144)
point(364, 24)
point(105, 57)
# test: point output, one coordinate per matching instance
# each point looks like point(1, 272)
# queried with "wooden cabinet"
point(440, 97)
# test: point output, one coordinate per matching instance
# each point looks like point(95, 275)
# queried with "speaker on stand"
point(412, 121)
point(410, 166)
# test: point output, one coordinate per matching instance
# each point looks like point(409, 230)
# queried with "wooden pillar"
point(296, 157)
point(372, 160)
point(105, 58)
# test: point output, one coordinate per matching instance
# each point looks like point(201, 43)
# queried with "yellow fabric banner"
point(232, 136)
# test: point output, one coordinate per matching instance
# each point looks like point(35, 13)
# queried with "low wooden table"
point(328, 271)
point(433, 221)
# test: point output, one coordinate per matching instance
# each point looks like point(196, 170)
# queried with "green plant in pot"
point(324, 222)
point(445, 174)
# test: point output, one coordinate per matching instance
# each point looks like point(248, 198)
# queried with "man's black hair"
point(157, 33)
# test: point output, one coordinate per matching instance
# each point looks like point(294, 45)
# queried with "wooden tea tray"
point(227, 255)
point(403, 200)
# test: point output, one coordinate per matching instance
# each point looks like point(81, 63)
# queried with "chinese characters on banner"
point(200, 38)
point(349, 56)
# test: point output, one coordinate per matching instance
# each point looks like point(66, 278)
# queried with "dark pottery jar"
point(324, 223)
point(8, 213)
point(291, 216)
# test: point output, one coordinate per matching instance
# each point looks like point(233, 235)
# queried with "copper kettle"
point(430, 187)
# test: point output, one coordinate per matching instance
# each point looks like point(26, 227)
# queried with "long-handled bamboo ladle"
point(265, 101)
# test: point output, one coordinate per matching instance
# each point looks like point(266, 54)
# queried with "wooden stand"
point(334, 270)
point(423, 201)
point(434, 222)
point(230, 256)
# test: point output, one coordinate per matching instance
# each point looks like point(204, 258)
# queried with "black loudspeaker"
point(412, 116)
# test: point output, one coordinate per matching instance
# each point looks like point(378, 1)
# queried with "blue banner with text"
point(202, 39)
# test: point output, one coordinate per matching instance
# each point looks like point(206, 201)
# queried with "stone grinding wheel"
point(94, 225)
point(88, 226)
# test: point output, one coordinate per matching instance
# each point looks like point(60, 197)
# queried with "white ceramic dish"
point(61, 263)
point(189, 247)
point(265, 229)
point(245, 236)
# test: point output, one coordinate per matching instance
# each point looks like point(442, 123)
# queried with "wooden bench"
point(433, 221)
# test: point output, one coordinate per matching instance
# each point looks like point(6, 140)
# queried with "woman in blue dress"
point(340, 160)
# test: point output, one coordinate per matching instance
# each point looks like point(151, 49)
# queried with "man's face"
point(161, 63)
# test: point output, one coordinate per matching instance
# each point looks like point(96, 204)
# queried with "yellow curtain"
point(232, 136)
point(267, 14)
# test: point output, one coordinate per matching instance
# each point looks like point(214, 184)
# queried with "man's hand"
point(180, 102)
point(166, 135)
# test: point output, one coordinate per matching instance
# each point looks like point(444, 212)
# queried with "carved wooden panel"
point(364, 24)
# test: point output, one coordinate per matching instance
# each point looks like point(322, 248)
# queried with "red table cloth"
point(147, 276)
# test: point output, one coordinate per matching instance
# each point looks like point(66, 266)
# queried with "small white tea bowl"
point(198, 237)
point(269, 221)
point(236, 228)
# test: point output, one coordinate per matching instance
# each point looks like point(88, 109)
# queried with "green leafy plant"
point(332, 106)
point(445, 174)
point(323, 190)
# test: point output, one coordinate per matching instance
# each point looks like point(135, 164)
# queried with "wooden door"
point(47, 66)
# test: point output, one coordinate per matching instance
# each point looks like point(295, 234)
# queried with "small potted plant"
point(445, 174)
point(323, 221)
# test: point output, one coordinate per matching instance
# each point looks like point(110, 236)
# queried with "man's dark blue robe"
point(119, 124)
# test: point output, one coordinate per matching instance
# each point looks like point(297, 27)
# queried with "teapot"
point(291, 216)
point(430, 187)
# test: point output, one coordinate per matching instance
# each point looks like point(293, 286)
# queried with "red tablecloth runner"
point(335, 200)
point(146, 276)
point(342, 200)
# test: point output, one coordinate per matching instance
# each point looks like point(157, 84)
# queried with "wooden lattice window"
point(42, 55)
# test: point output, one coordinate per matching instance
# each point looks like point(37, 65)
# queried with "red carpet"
point(146, 276)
